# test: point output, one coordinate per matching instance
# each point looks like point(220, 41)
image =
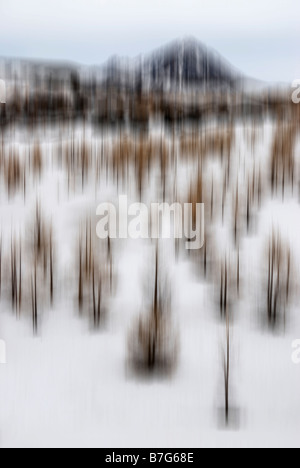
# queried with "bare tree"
point(226, 366)
point(278, 284)
point(153, 343)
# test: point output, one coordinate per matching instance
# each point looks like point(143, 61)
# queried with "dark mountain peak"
point(189, 63)
point(183, 64)
point(187, 44)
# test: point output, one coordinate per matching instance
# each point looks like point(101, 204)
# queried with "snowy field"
point(68, 382)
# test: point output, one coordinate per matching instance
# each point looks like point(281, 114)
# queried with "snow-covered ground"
point(72, 385)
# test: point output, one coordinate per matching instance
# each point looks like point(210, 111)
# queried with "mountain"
point(188, 63)
point(182, 64)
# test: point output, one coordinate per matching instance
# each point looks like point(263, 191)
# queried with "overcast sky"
point(260, 37)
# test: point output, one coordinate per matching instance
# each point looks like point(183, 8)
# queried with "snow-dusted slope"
point(71, 385)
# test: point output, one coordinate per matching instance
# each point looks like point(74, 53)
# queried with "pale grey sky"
point(260, 37)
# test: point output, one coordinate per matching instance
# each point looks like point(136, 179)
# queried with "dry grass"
point(153, 343)
point(278, 280)
point(95, 274)
point(283, 158)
